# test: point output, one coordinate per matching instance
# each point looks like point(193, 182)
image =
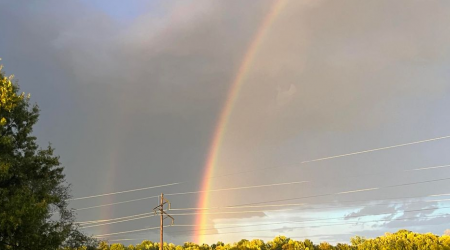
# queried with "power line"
point(131, 231)
point(258, 211)
point(341, 193)
point(126, 191)
point(140, 230)
point(118, 240)
point(356, 216)
point(305, 204)
point(200, 191)
point(351, 191)
point(239, 188)
point(326, 225)
point(115, 203)
point(376, 149)
point(183, 214)
point(314, 220)
point(248, 187)
point(257, 169)
point(119, 221)
point(243, 212)
point(132, 217)
point(106, 220)
point(330, 194)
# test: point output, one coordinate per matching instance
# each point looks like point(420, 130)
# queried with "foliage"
point(402, 240)
point(33, 193)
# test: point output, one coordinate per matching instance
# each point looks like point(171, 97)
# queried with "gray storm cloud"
point(136, 104)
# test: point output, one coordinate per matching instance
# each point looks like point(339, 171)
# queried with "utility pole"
point(161, 233)
point(161, 211)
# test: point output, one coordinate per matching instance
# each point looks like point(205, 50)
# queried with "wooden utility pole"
point(161, 211)
point(161, 234)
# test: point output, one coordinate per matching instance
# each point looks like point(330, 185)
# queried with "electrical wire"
point(131, 231)
point(247, 187)
point(238, 188)
point(257, 169)
point(351, 191)
point(115, 203)
point(146, 215)
point(325, 225)
point(115, 222)
point(195, 192)
point(356, 216)
point(315, 196)
point(126, 191)
point(317, 219)
point(259, 211)
point(106, 220)
point(305, 204)
point(139, 230)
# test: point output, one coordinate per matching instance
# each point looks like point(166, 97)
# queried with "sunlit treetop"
point(9, 98)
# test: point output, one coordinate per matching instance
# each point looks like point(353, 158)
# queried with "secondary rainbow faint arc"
point(233, 93)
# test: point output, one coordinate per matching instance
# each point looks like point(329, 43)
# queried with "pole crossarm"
point(168, 216)
point(159, 206)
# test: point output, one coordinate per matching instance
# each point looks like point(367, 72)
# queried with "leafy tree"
point(103, 245)
point(117, 246)
point(33, 193)
point(204, 246)
point(401, 240)
point(277, 243)
point(325, 246)
point(309, 245)
point(190, 246)
point(341, 246)
point(257, 244)
point(356, 241)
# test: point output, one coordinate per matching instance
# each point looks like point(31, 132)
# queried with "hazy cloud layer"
point(130, 96)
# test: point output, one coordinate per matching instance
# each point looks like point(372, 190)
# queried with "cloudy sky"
point(131, 93)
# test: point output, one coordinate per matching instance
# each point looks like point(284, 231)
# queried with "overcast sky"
point(131, 91)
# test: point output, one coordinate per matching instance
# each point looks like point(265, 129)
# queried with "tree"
point(33, 193)
point(325, 246)
point(117, 246)
point(356, 241)
point(103, 245)
point(277, 243)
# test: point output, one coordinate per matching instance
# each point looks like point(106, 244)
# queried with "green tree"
point(309, 245)
point(117, 246)
point(403, 239)
point(277, 243)
point(341, 246)
point(356, 241)
point(103, 245)
point(33, 193)
point(325, 246)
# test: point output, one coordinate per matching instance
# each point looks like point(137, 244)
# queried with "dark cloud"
point(132, 100)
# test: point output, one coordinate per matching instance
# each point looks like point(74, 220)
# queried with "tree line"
point(401, 240)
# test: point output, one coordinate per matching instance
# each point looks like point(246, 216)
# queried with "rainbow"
point(233, 93)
